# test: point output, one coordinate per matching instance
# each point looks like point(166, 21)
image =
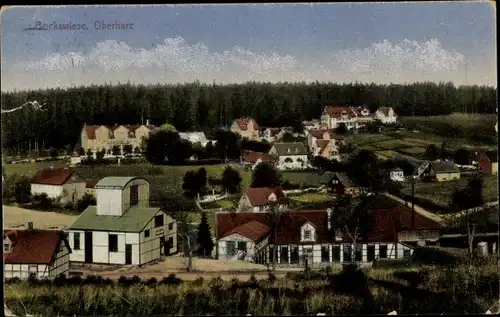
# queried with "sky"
point(366, 42)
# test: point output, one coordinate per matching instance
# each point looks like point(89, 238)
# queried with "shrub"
point(171, 280)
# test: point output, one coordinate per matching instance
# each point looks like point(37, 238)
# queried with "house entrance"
point(88, 246)
point(128, 254)
point(307, 256)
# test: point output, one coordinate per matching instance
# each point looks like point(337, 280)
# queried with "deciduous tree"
point(231, 180)
point(265, 175)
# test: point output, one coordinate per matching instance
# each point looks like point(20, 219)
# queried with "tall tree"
point(204, 237)
point(230, 180)
point(265, 175)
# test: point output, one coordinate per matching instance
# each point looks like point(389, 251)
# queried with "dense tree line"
point(204, 107)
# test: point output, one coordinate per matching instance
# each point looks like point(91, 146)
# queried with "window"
point(146, 234)
point(171, 226)
point(347, 252)
point(159, 221)
point(242, 246)
point(359, 252)
point(76, 241)
point(134, 195)
point(113, 243)
point(336, 253)
point(370, 253)
point(6, 247)
point(231, 247)
point(382, 251)
point(294, 255)
point(325, 254)
point(406, 253)
point(307, 234)
point(284, 254)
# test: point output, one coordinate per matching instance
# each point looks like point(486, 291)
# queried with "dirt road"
point(15, 217)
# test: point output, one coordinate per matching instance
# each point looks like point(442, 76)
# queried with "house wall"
point(91, 191)
point(59, 266)
point(442, 177)
point(109, 202)
point(77, 255)
point(295, 164)
point(149, 247)
point(222, 247)
point(52, 191)
point(418, 236)
point(143, 193)
point(73, 191)
point(494, 167)
point(391, 118)
point(250, 133)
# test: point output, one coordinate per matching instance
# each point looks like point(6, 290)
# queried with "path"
point(418, 209)
point(450, 216)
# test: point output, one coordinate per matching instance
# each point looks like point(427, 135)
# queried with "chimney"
point(30, 226)
point(329, 218)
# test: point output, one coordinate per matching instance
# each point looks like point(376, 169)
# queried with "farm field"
point(440, 193)
point(15, 216)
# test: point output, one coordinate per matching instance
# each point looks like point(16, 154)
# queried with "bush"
point(42, 201)
point(171, 280)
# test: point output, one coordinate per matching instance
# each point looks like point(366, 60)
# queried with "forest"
point(205, 107)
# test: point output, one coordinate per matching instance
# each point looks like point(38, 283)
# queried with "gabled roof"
point(327, 178)
point(288, 231)
point(318, 133)
point(259, 196)
point(491, 155)
point(336, 111)
point(253, 230)
point(34, 246)
point(290, 148)
point(243, 123)
point(90, 183)
point(115, 182)
point(384, 110)
point(444, 167)
point(53, 176)
point(90, 129)
point(253, 157)
point(133, 220)
point(322, 144)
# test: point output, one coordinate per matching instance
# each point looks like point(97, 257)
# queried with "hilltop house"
point(246, 128)
point(35, 253)
point(259, 199)
point(195, 137)
point(101, 137)
point(386, 115)
point(59, 183)
point(255, 158)
point(122, 228)
point(308, 236)
point(339, 184)
point(442, 171)
point(292, 155)
point(352, 117)
point(488, 162)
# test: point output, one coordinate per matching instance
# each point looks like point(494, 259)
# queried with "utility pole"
point(413, 202)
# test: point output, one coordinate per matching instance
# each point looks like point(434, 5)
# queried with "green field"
point(307, 179)
point(307, 198)
point(440, 193)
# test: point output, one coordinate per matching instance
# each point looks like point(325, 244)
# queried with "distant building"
point(442, 171)
point(397, 175)
point(291, 155)
point(35, 253)
point(272, 134)
point(63, 183)
point(195, 137)
point(339, 184)
point(352, 117)
point(122, 228)
point(101, 137)
point(488, 162)
point(259, 199)
point(255, 158)
point(246, 128)
point(386, 115)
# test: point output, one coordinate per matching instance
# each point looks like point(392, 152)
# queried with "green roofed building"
point(122, 228)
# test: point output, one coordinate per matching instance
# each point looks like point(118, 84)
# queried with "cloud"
point(176, 61)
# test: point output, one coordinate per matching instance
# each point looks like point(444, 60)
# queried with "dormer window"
point(338, 234)
point(307, 235)
point(7, 246)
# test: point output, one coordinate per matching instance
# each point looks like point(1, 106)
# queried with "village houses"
point(352, 117)
point(488, 162)
point(255, 158)
point(59, 183)
point(386, 115)
point(442, 171)
point(339, 184)
point(246, 128)
point(290, 155)
point(272, 134)
point(122, 228)
point(101, 137)
point(307, 236)
point(397, 175)
point(35, 253)
point(260, 199)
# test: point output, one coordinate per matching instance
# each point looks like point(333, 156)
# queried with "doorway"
point(88, 246)
point(128, 254)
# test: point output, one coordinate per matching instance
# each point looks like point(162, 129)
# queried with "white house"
point(122, 228)
point(259, 199)
point(291, 155)
point(272, 134)
point(386, 115)
point(63, 183)
point(352, 117)
point(397, 175)
point(35, 253)
point(308, 236)
point(311, 125)
point(255, 158)
point(195, 137)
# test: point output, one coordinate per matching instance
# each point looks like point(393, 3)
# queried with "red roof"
point(243, 123)
point(259, 196)
point(90, 183)
point(90, 129)
point(288, 231)
point(253, 157)
point(318, 133)
point(336, 111)
point(35, 246)
point(253, 230)
point(53, 176)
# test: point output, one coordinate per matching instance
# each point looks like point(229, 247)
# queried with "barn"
point(35, 253)
point(122, 228)
point(63, 183)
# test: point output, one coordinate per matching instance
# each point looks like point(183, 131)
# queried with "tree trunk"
point(353, 252)
point(189, 267)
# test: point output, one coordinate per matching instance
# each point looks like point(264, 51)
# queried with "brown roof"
point(53, 176)
point(90, 129)
point(90, 183)
point(336, 111)
point(34, 247)
point(259, 196)
point(243, 123)
point(288, 231)
point(253, 157)
point(318, 133)
point(253, 230)
point(322, 144)
point(385, 110)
